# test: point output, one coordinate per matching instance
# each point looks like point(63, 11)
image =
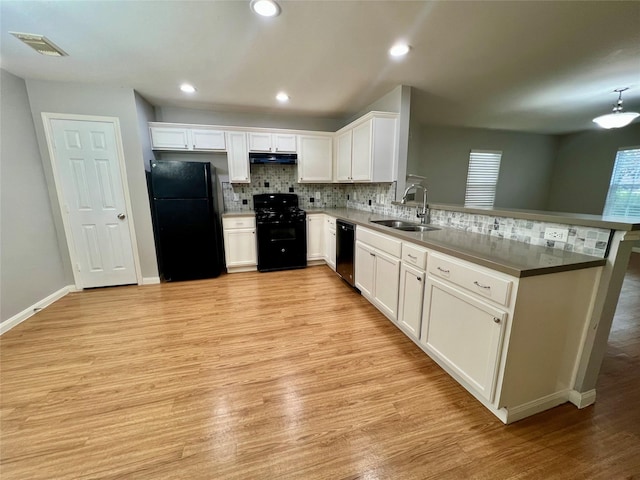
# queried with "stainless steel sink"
point(417, 228)
point(405, 226)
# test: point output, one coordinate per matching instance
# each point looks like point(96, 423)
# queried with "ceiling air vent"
point(40, 44)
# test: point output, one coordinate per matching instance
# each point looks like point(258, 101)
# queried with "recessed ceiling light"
point(266, 8)
point(399, 50)
point(186, 88)
point(282, 97)
point(40, 44)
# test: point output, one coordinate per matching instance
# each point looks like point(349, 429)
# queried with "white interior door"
point(87, 164)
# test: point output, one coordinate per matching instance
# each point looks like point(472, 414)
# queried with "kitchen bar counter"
point(585, 220)
point(513, 258)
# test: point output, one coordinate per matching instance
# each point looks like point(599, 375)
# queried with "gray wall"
point(583, 168)
point(443, 157)
point(146, 114)
point(277, 119)
point(30, 261)
point(85, 99)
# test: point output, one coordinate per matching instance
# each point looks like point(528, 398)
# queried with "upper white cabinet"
point(168, 137)
point(238, 157)
point(272, 142)
point(314, 159)
point(366, 150)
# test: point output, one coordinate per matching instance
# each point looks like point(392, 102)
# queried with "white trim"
point(20, 317)
point(636, 249)
point(46, 120)
point(150, 280)
point(536, 406)
point(582, 399)
point(248, 268)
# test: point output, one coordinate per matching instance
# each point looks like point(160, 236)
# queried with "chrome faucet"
point(422, 211)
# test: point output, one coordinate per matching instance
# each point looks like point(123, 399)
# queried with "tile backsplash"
point(283, 179)
point(377, 198)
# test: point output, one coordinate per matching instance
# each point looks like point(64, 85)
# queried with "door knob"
point(121, 216)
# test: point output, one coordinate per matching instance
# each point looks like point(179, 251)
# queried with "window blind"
point(482, 178)
point(623, 199)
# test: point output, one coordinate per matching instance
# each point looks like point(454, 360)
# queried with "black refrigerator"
point(185, 222)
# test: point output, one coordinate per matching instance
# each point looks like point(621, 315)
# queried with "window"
point(623, 199)
point(484, 167)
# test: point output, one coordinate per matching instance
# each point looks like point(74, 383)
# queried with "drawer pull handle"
point(372, 254)
point(443, 270)
point(411, 256)
point(486, 287)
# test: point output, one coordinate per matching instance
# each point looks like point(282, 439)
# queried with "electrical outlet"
point(317, 196)
point(557, 234)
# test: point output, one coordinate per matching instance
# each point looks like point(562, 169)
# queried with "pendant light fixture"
point(617, 118)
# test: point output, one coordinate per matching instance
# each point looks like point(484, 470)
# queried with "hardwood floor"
point(284, 375)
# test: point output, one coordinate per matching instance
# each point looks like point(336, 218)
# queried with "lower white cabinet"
point(410, 299)
point(240, 248)
point(377, 271)
point(330, 241)
point(315, 236)
point(465, 333)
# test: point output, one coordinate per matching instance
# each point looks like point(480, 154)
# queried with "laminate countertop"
point(508, 256)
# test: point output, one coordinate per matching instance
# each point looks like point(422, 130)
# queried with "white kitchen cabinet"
point(240, 248)
point(377, 269)
point(208, 139)
point(330, 241)
point(314, 159)
point(464, 333)
point(410, 299)
point(365, 268)
point(272, 142)
point(366, 149)
point(343, 156)
point(412, 279)
point(168, 137)
point(238, 157)
point(315, 236)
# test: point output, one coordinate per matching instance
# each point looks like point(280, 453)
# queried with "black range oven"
point(282, 232)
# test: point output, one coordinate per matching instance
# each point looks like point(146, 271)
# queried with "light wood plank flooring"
point(284, 375)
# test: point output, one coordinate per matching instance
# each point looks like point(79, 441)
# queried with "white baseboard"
point(582, 399)
point(150, 280)
point(539, 405)
point(249, 268)
point(18, 318)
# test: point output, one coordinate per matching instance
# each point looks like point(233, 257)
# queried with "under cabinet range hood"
point(275, 158)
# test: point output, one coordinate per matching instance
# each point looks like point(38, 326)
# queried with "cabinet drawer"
point(238, 222)
point(387, 244)
point(470, 277)
point(414, 255)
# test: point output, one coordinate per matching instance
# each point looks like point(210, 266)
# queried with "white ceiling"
point(546, 67)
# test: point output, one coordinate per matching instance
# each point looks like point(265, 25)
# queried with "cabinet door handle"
point(496, 319)
point(486, 287)
point(372, 254)
point(419, 279)
point(443, 270)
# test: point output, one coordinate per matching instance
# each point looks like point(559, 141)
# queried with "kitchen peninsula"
point(522, 327)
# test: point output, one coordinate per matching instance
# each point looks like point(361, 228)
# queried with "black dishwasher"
point(345, 239)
